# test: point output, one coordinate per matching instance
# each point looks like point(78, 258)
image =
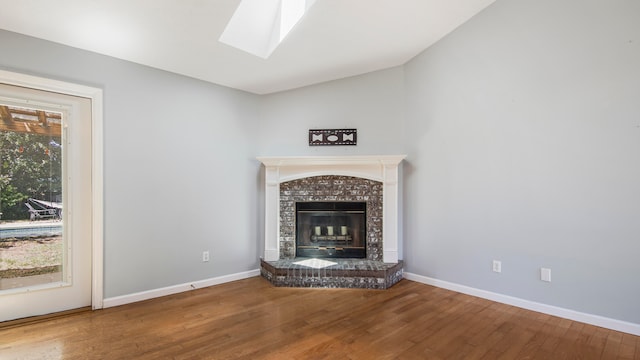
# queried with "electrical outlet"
point(497, 266)
point(205, 256)
point(545, 274)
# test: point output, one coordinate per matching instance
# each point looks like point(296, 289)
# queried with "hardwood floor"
point(251, 319)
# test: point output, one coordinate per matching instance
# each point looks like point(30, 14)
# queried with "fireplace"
point(286, 182)
point(331, 229)
point(323, 196)
point(332, 221)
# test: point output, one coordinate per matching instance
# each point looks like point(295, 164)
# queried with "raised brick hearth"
point(347, 273)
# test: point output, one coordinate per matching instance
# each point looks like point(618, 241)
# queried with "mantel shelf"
point(285, 161)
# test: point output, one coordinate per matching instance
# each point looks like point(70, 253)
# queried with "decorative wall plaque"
point(333, 137)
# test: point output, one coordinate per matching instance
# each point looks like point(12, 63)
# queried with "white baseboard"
point(150, 294)
point(596, 320)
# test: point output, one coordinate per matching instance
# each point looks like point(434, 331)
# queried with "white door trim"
point(97, 180)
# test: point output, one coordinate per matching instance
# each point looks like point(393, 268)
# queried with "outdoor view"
point(31, 243)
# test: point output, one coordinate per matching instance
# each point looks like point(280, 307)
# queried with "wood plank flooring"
point(251, 319)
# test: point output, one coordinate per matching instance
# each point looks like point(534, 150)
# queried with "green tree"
point(30, 167)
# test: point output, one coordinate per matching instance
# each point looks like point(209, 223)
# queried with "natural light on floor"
point(315, 263)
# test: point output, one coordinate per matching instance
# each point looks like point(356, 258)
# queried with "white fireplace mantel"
point(383, 168)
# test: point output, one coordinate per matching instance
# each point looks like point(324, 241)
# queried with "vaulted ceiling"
point(337, 38)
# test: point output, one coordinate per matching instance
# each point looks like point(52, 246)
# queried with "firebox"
point(331, 229)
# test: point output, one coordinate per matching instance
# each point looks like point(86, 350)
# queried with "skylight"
point(259, 26)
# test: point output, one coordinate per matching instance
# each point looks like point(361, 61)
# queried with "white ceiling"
point(337, 38)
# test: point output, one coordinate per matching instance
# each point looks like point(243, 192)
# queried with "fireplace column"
point(272, 214)
point(390, 211)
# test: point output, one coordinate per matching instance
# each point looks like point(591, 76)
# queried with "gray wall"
point(372, 103)
point(523, 135)
point(175, 149)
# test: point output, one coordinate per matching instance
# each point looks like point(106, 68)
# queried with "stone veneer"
point(331, 188)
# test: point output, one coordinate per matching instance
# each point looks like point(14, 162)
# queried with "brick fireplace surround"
point(372, 179)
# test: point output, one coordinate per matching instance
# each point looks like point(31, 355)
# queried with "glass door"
point(45, 202)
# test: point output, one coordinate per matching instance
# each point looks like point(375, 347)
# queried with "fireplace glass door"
point(331, 229)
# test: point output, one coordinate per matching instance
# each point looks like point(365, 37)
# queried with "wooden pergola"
point(23, 120)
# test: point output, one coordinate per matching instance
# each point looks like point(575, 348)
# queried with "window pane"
point(31, 225)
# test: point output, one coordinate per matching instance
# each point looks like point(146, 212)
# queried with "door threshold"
point(41, 318)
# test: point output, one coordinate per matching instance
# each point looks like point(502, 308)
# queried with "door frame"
point(97, 165)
